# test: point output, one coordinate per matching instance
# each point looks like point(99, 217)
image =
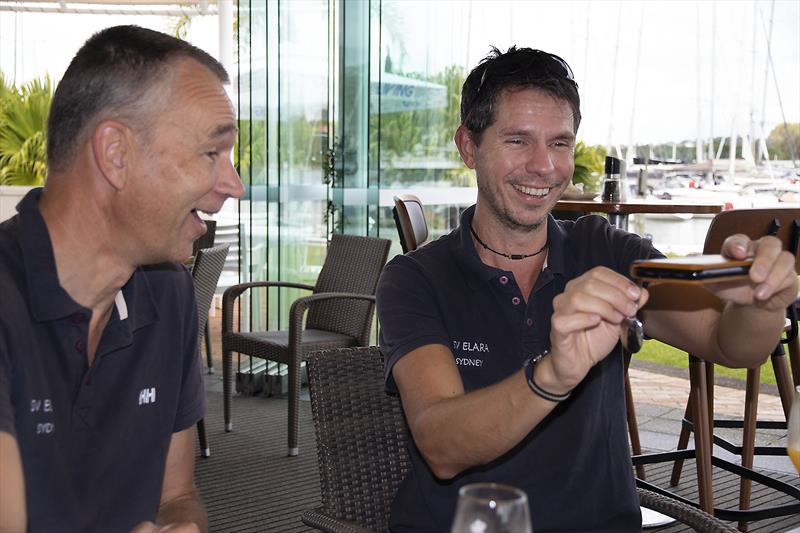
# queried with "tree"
point(23, 131)
point(784, 141)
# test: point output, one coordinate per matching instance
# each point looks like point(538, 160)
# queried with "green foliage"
point(425, 134)
point(784, 141)
point(664, 354)
point(589, 165)
point(23, 131)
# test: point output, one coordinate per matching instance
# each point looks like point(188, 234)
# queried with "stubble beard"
point(503, 214)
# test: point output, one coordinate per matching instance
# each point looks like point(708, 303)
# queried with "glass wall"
point(346, 103)
point(283, 99)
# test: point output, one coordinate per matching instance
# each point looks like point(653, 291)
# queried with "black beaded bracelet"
point(530, 364)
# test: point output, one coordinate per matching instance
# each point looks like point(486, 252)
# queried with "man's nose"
point(540, 160)
point(229, 183)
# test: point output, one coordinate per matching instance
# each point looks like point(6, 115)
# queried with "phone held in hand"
point(692, 269)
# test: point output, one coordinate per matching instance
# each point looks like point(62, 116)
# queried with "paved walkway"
point(661, 401)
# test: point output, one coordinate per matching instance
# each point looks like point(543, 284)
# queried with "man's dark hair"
point(111, 72)
point(518, 68)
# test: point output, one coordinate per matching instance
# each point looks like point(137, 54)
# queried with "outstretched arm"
point(736, 323)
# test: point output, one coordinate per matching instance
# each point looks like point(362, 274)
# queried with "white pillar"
point(225, 18)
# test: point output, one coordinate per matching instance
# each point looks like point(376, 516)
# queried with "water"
point(681, 235)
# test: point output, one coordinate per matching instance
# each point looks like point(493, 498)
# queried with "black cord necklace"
point(513, 257)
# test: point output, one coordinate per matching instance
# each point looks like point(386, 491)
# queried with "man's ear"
point(466, 145)
point(113, 152)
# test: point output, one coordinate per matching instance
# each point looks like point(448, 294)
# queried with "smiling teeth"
point(532, 191)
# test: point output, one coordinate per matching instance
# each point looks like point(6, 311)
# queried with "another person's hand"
point(586, 321)
point(772, 282)
point(181, 527)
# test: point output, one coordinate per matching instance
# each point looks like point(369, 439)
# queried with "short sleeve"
point(191, 402)
point(6, 408)
point(409, 315)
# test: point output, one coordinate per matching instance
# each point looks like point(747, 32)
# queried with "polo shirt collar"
point(48, 300)
point(560, 260)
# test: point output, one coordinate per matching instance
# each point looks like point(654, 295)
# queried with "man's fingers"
point(780, 276)
point(738, 246)
point(574, 322)
point(600, 291)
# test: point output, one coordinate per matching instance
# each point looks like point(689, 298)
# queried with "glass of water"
point(491, 508)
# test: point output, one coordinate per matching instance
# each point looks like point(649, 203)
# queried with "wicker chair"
point(206, 270)
point(361, 444)
point(339, 315)
point(207, 241)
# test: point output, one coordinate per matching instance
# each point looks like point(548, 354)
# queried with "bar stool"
point(698, 418)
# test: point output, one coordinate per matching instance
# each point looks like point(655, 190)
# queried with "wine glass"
point(793, 444)
point(491, 508)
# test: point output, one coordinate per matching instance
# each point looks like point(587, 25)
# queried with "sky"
point(648, 71)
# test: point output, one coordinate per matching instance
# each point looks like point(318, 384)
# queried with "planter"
point(10, 195)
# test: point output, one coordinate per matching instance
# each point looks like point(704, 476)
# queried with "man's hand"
point(772, 283)
point(182, 527)
point(586, 324)
point(13, 514)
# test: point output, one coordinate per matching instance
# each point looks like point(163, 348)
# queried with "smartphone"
point(691, 269)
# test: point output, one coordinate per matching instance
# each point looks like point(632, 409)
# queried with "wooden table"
point(618, 211)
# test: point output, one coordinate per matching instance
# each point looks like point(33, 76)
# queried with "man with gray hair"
point(100, 383)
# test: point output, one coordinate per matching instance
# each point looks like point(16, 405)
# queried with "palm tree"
point(23, 131)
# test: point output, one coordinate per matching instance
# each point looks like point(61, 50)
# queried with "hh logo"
point(147, 396)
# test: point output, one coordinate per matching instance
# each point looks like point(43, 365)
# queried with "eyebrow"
point(567, 134)
point(223, 129)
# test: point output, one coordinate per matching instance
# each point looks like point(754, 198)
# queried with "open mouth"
point(536, 192)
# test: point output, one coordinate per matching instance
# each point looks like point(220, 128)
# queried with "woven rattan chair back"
point(361, 435)
point(208, 263)
point(353, 264)
point(409, 218)
point(206, 270)
point(206, 240)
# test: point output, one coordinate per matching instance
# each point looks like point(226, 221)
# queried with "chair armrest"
point(317, 519)
point(300, 306)
point(232, 293)
point(683, 513)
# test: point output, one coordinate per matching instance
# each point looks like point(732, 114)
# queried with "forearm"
point(746, 335)
point(186, 508)
point(474, 428)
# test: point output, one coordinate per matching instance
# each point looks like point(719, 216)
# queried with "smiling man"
point(100, 384)
point(502, 336)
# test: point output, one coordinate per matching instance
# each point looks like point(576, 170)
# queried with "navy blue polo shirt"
point(575, 465)
point(93, 440)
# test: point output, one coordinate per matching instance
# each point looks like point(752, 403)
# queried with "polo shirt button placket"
point(515, 300)
point(503, 280)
